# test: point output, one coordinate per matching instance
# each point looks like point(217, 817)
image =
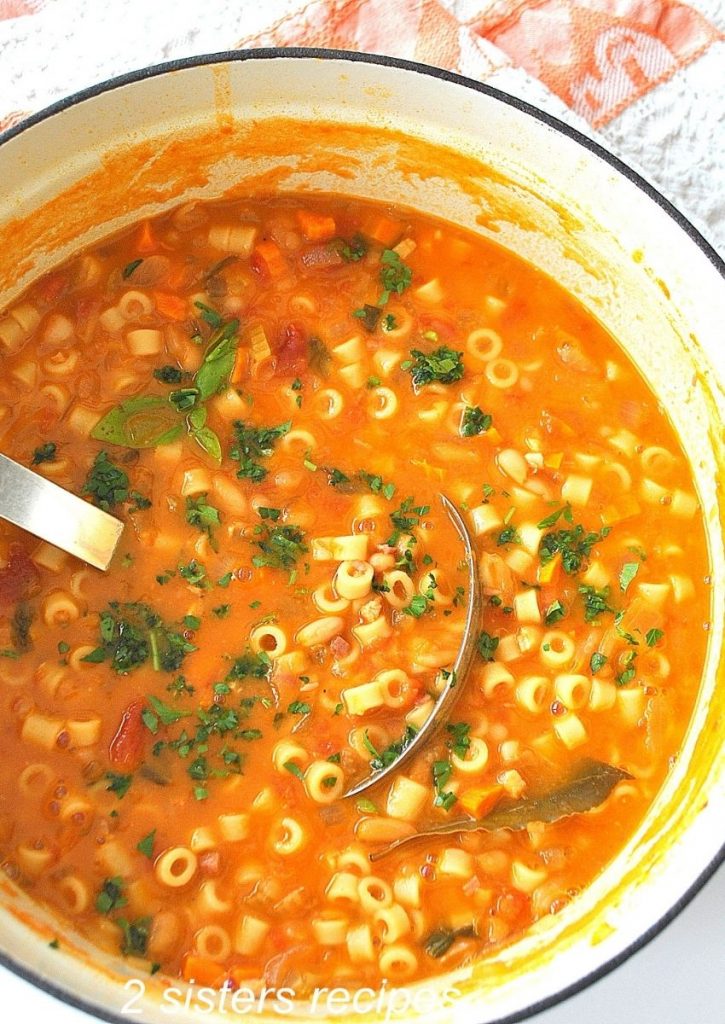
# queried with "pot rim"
point(271, 53)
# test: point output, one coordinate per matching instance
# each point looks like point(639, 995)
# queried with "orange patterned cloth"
point(597, 55)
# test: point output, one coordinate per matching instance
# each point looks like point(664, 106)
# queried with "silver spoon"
point(42, 508)
point(455, 683)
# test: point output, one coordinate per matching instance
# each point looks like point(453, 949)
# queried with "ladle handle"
point(42, 508)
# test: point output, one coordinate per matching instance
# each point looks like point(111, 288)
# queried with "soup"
point(274, 394)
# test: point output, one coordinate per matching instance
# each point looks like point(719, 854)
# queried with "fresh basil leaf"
point(197, 418)
point(206, 438)
point(144, 422)
point(215, 371)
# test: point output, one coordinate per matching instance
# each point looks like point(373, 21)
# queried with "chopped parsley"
point(554, 518)
point(133, 633)
point(135, 935)
point(597, 662)
point(169, 374)
point(442, 771)
point(129, 268)
point(106, 483)
point(280, 546)
point(377, 485)
point(440, 941)
point(299, 707)
point(554, 613)
point(487, 645)
point(383, 758)
point(252, 444)
point(160, 713)
point(221, 611)
point(509, 535)
point(418, 606)
point(405, 519)
point(460, 740)
point(250, 666)
point(629, 671)
point(146, 845)
point(353, 250)
point(475, 421)
point(337, 478)
point(193, 572)
point(627, 574)
point(45, 453)
point(201, 514)
point(443, 365)
point(574, 546)
point(180, 686)
point(118, 783)
point(395, 276)
point(653, 636)
point(596, 602)
point(111, 896)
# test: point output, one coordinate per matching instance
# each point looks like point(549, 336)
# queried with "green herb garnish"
point(475, 421)
point(254, 443)
point(45, 453)
point(443, 365)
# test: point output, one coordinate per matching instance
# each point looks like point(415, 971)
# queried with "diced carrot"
point(381, 229)
point(271, 256)
point(493, 436)
point(553, 461)
point(201, 971)
point(145, 241)
point(172, 306)
point(317, 227)
point(479, 800)
point(626, 507)
point(241, 974)
point(549, 572)
point(241, 365)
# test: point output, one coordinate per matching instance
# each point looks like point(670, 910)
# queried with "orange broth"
point(177, 734)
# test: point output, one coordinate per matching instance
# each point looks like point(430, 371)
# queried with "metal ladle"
point(457, 678)
point(68, 522)
point(42, 508)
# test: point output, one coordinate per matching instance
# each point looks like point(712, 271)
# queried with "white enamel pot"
point(383, 129)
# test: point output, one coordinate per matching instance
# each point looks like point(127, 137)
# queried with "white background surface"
point(675, 135)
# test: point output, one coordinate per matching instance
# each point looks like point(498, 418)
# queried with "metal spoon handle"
point(455, 683)
point(42, 508)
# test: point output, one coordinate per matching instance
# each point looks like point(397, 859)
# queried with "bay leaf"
point(588, 786)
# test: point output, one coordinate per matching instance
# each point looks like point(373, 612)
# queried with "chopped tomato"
point(317, 227)
point(52, 287)
point(201, 971)
point(146, 242)
point(172, 306)
point(267, 255)
point(19, 577)
point(291, 351)
point(126, 748)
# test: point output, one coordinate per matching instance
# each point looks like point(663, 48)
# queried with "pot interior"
point(252, 124)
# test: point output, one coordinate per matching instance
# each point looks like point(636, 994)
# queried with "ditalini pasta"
point(272, 394)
